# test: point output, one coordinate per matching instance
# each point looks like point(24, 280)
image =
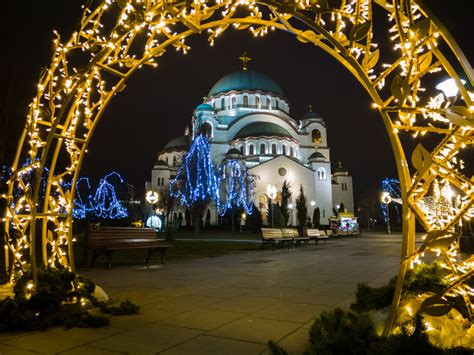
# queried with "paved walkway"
point(224, 305)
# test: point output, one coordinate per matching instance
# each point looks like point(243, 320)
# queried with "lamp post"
point(386, 198)
point(271, 192)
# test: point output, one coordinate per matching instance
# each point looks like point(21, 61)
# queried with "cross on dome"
point(310, 107)
point(245, 59)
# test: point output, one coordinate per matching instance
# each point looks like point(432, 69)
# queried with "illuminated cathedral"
point(246, 116)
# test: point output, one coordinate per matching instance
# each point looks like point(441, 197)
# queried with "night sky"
point(158, 103)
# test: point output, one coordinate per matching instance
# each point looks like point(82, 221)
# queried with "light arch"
point(70, 101)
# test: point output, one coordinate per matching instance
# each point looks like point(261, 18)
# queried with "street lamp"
point(271, 192)
point(152, 197)
point(386, 198)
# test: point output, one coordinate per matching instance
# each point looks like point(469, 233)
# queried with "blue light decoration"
point(235, 187)
point(103, 203)
point(392, 186)
point(196, 179)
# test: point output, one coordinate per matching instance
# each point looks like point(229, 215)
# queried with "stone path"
point(224, 305)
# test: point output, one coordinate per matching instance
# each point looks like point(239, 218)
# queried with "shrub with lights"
point(73, 92)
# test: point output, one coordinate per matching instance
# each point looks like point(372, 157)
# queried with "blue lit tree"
point(196, 183)
point(235, 189)
point(103, 203)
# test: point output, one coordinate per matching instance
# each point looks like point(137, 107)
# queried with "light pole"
point(386, 198)
point(271, 192)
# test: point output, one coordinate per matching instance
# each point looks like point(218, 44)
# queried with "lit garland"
point(103, 203)
point(236, 187)
point(71, 99)
point(196, 180)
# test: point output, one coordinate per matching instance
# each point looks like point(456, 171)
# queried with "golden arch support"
point(72, 97)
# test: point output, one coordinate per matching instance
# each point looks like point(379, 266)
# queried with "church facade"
point(247, 116)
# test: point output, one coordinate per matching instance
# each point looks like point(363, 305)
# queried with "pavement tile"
point(147, 340)
point(205, 319)
point(273, 292)
point(185, 303)
point(10, 350)
point(255, 330)
point(223, 292)
point(293, 312)
point(297, 342)
point(209, 345)
point(59, 339)
point(243, 304)
point(90, 350)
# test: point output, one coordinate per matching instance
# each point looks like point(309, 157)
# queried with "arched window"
point(316, 136)
point(277, 106)
point(159, 182)
point(175, 161)
point(234, 102)
point(321, 174)
point(283, 149)
point(163, 181)
point(268, 102)
point(274, 148)
point(251, 149)
point(262, 149)
point(167, 161)
point(241, 149)
point(291, 151)
point(206, 129)
point(257, 101)
point(246, 101)
point(223, 103)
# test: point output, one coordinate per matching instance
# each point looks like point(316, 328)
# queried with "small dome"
point(178, 143)
point(233, 151)
point(160, 163)
point(246, 80)
point(310, 115)
point(204, 107)
point(266, 129)
point(339, 170)
point(317, 156)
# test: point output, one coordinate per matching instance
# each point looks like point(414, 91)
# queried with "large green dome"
point(246, 80)
point(258, 129)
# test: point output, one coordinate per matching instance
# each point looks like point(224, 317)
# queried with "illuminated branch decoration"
point(103, 203)
point(235, 187)
point(116, 38)
point(392, 187)
point(196, 180)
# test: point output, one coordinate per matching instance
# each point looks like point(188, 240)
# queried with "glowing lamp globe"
point(449, 87)
point(151, 197)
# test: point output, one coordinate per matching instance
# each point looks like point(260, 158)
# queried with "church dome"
point(204, 107)
point(309, 115)
point(246, 80)
point(339, 170)
point(178, 143)
point(317, 156)
point(258, 129)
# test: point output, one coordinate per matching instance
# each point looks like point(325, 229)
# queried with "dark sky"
point(158, 104)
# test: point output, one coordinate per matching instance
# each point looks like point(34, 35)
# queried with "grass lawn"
point(182, 249)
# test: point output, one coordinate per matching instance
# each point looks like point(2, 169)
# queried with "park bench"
point(274, 236)
point(316, 235)
point(104, 240)
point(293, 234)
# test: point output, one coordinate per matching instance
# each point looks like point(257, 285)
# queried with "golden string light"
point(72, 96)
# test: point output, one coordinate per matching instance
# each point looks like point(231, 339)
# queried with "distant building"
point(247, 116)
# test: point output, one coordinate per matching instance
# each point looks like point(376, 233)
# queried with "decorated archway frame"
point(116, 38)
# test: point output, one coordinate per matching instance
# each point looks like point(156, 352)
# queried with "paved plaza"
point(224, 305)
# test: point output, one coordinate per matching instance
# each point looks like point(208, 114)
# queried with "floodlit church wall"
point(343, 192)
point(322, 183)
point(159, 178)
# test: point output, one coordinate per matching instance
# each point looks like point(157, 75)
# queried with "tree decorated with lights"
point(285, 200)
point(73, 92)
point(301, 210)
point(196, 183)
point(236, 186)
point(103, 203)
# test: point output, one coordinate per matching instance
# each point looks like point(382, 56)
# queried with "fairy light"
point(402, 77)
